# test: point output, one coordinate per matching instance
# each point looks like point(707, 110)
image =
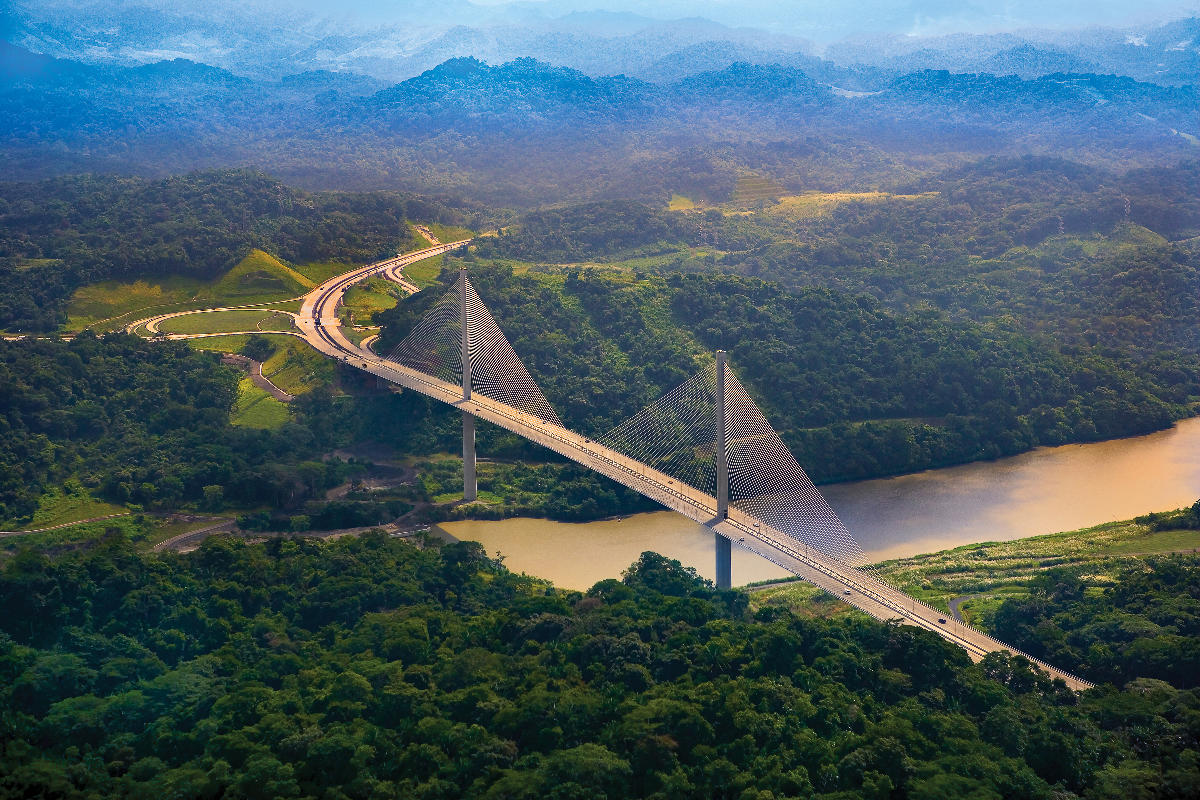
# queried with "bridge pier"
point(724, 546)
point(724, 562)
point(470, 484)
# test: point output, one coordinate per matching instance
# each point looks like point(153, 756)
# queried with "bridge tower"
point(724, 546)
point(470, 483)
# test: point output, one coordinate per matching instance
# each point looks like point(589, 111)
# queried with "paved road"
point(319, 324)
point(256, 375)
point(64, 524)
point(152, 323)
point(192, 539)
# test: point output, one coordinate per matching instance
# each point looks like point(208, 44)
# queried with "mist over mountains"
point(527, 132)
point(858, 49)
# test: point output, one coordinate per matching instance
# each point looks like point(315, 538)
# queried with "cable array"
point(766, 482)
point(676, 434)
point(434, 347)
point(496, 370)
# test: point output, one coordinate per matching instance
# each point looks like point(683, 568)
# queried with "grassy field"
point(357, 335)
point(363, 301)
point(991, 572)
point(320, 271)
point(680, 203)
point(258, 278)
point(752, 188)
point(256, 408)
point(222, 344)
point(425, 273)
point(228, 322)
point(450, 233)
point(819, 204)
point(297, 368)
point(803, 599)
point(93, 305)
point(70, 504)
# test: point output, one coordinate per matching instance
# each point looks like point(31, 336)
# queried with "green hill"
point(259, 275)
point(257, 278)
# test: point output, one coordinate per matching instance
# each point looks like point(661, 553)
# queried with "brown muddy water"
point(1046, 490)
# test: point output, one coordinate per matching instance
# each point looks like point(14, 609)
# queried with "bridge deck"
point(319, 325)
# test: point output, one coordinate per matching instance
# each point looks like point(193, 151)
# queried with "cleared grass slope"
point(259, 275)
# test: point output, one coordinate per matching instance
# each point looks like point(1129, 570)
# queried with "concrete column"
point(466, 349)
point(722, 455)
point(724, 562)
point(470, 483)
point(724, 546)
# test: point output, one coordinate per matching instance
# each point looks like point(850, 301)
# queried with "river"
point(1043, 491)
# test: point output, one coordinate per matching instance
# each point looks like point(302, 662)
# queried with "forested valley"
point(58, 235)
point(372, 668)
point(938, 269)
point(855, 389)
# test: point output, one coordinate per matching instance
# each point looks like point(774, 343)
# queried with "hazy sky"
point(799, 17)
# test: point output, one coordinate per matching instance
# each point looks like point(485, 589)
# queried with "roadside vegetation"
point(232, 233)
point(362, 302)
point(228, 322)
point(257, 408)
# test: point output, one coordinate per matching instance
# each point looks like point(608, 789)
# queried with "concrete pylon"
point(470, 482)
point(724, 546)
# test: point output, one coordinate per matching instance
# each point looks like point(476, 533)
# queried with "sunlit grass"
point(450, 233)
point(296, 368)
point(805, 599)
point(997, 571)
point(680, 203)
point(227, 322)
point(256, 408)
point(362, 302)
point(222, 344)
point(258, 278)
point(320, 271)
point(820, 204)
point(58, 506)
point(357, 335)
point(425, 273)
point(95, 304)
point(753, 188)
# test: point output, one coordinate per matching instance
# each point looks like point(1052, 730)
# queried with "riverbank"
point(978, 577)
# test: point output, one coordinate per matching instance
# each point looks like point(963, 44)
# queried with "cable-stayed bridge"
point(704, 449)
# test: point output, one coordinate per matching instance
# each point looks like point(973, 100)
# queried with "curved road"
point(152, 323)
point(319, 324)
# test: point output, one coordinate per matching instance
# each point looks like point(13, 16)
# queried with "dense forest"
point(58, 235)
point(147, 425)
point(143, 423)
point(855, 389)
point(1147, 624)
point(371, 668)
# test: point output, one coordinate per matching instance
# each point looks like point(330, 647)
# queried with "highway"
point(319, 325)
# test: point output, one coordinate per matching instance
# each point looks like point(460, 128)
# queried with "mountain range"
point(529, 132)
point(247, 41)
